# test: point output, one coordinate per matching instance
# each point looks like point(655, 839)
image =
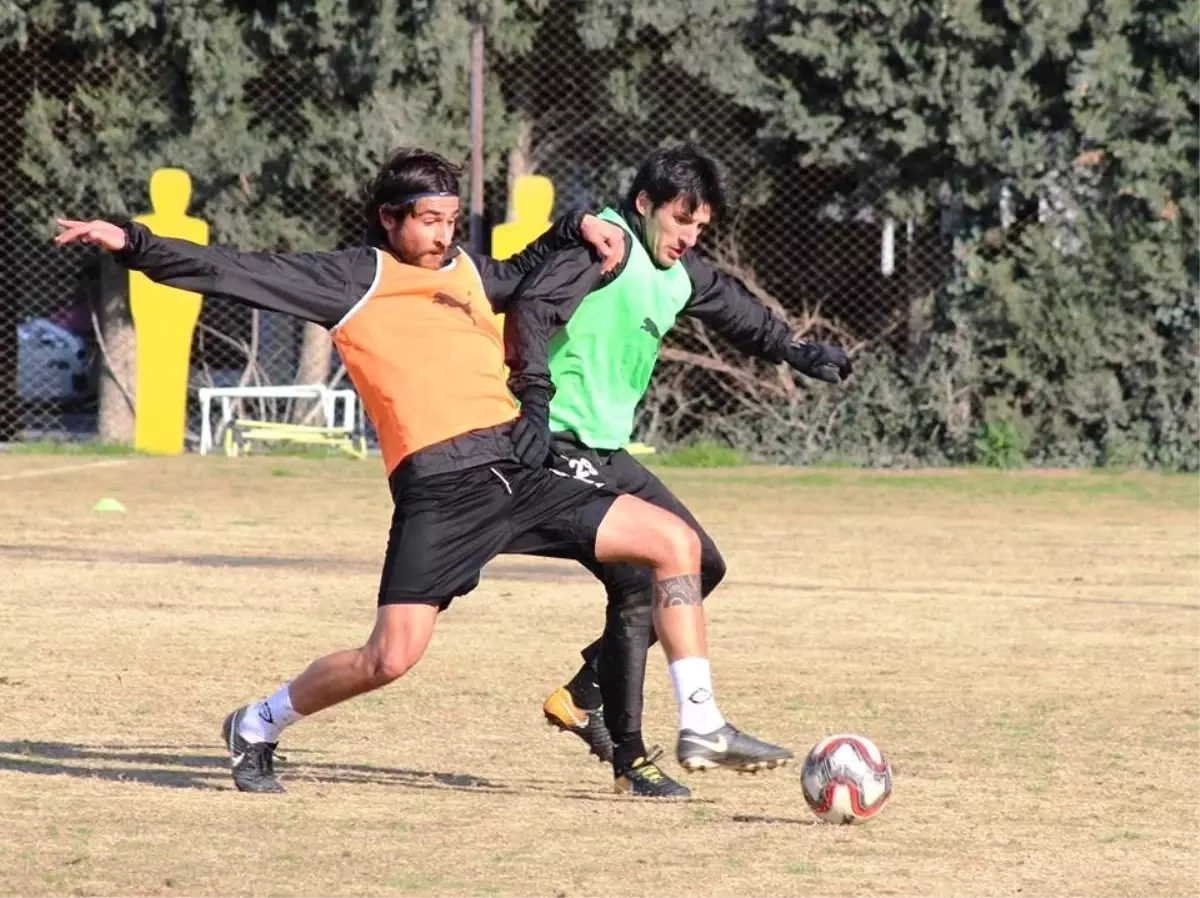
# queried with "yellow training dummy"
point(164, 319)
point(532, 202)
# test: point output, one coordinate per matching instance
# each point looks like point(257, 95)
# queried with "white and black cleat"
point(253, 763)
point(730, 748)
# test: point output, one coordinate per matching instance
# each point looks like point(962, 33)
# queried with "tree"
point(1079, 118)
point(280, 111)
point(1056, 144)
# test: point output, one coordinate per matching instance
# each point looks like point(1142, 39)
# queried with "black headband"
point(413, 197)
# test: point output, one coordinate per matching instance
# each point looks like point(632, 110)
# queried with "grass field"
point(1025, 647)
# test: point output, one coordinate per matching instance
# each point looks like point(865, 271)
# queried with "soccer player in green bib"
point(582, 347)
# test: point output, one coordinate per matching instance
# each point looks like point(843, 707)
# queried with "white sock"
point(698, 709)
point(265, 720)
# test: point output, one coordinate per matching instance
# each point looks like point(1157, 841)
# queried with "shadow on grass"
point(83, 555)
point(776, 821)
point(164, 766)
point(546, 572)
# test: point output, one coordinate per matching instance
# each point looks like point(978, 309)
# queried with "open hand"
point(606, 238)
point(100, 233)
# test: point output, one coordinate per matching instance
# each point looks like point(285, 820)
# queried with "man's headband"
point(413, 197)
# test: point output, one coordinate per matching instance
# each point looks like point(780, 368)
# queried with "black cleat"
point(253, 763)
point(728, 747)
point(561, 712)
point(646, 779)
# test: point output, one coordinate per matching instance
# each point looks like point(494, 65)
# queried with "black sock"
point(584, 689)
point(627, 749)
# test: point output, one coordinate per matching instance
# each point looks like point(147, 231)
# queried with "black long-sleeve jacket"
point(395, 341)
point(550, 294)
point(319, 287)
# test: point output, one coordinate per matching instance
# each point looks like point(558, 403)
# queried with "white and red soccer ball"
point(846, 779)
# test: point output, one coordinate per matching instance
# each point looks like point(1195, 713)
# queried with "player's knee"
point(682, 546)
point(712, 568)
point(401, 635)
point(389, 666)
point(383, 664)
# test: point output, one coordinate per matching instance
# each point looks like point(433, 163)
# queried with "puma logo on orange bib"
point(425, 376)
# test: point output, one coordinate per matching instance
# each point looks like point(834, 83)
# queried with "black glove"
point(819, 360)
point(531, 433)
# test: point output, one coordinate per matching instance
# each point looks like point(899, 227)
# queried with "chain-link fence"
point(67, 344)
point(46, 361)
point(812, 244)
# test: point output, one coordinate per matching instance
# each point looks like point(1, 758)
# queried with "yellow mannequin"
point(533, 199)
point(164, 319)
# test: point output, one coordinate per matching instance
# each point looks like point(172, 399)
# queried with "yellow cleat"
point(562, 713)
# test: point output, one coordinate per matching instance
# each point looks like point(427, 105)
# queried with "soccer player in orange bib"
point(414, 319)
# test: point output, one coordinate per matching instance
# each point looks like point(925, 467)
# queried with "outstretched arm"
point(728, 308)
point(575, 231)
point(318, 287)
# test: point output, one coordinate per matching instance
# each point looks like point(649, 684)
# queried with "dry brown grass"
point(1025, 648)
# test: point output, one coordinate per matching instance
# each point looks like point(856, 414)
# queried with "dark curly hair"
point(408, 173)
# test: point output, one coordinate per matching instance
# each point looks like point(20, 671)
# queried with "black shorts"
point(446, 527)
point(620, 472)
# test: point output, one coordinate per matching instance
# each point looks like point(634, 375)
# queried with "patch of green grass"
point(700, 455)
point(413, 883)
point(65, 447)
point(1015, 729)
point(802, 868)
point(1124, 835)
point(299, 450)
point(1162, 489)
point(1002, 444)
point(282, 472)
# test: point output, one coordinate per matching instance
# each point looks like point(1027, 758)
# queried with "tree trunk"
point(119, 366)
point(520, 162)
point(316, 355)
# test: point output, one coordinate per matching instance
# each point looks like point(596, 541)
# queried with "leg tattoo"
point(676, 591)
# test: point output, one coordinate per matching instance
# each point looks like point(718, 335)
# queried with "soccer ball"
point(846, 779)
